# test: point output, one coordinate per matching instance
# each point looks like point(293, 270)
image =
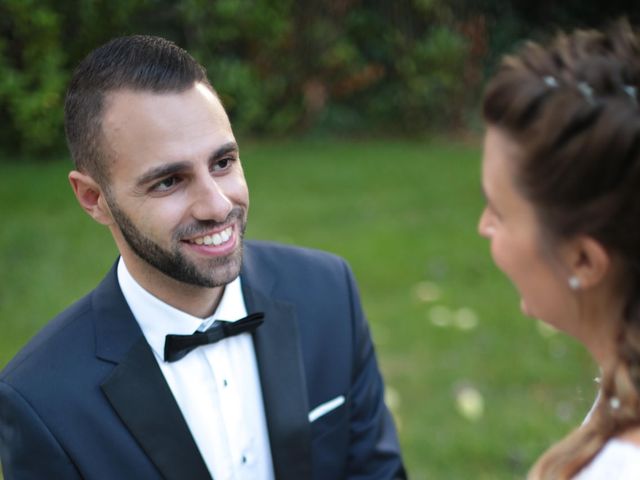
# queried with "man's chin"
point(221, 270)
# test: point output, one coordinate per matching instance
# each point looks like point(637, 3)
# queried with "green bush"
point(280, 66)
point(32, 75)
point(245, 46)
point(283, 66)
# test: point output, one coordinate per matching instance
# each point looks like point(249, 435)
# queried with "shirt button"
point(244, 459)
point(224, 382)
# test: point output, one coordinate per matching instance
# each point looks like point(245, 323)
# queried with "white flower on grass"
point(441, 316)
point(545, 329)
point(392, 400)
point(469, 403)
point(466, 319)
point(427, 292)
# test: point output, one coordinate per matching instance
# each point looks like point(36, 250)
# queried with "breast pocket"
point(330, 442)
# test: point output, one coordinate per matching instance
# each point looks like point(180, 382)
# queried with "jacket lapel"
point(138, 391)
point(282, 380)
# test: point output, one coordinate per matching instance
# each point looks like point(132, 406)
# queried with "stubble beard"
point(214, 272)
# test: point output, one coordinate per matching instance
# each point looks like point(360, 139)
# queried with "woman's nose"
point(485, 228)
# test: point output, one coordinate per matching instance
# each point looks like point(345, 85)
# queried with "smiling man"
point(199, 355)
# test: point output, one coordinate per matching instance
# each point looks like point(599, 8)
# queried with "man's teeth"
point(215, 239)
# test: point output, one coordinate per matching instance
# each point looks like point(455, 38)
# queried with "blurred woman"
point(561, 175)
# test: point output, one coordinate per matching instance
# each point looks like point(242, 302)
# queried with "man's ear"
point(90, 197)
point(588, 261)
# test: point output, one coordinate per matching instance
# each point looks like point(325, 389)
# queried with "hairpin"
point(586, 91)
point(550, 81)
point(632, 92)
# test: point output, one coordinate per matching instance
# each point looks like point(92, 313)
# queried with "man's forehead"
point(198, 103)
point(126, 94)
point(146, 128)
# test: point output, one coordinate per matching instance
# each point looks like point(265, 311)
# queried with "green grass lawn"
point(446, 323)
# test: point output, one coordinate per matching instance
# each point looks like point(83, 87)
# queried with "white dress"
point(618, 460)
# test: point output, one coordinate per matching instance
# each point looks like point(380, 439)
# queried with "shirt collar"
point(158, 319)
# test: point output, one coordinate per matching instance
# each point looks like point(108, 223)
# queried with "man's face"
point(176, 192)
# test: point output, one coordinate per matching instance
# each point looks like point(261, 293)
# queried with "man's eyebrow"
point(162, 171)
point(177, 167)
point(230, 147)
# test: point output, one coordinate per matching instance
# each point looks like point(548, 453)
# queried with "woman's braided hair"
point(572, 108)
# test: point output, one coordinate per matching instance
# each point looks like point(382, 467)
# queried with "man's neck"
point(195, 300)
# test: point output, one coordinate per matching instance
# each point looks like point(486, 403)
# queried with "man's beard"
point(215, 272)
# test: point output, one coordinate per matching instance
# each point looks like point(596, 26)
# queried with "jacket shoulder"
point(303, 276)
point(277, 255)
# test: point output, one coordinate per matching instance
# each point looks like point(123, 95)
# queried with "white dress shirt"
point(217, 386)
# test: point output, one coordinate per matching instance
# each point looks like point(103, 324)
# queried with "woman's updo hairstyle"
point(572, 108)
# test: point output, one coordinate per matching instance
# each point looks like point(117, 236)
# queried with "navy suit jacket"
point(86, 399)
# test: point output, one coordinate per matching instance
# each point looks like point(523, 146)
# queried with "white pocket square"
point(325, 408)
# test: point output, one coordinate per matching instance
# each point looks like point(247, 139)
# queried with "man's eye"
point(166, 184)
point(222, 164)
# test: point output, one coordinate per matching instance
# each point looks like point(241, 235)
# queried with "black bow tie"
point(177, 346)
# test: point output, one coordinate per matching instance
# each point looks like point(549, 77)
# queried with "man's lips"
point(216, 239)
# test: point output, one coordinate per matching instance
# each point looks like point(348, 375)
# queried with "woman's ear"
point(588, 261)
point(90, 197)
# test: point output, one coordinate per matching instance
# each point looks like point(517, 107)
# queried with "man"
point(118, 386)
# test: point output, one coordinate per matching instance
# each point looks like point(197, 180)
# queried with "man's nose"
point(211, 202)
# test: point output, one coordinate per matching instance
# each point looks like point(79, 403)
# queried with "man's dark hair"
point(138, 62)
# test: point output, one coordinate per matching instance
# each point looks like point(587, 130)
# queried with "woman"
point(561, 174)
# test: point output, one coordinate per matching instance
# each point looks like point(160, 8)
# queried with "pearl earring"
point(574, 282)
point(614, 403)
